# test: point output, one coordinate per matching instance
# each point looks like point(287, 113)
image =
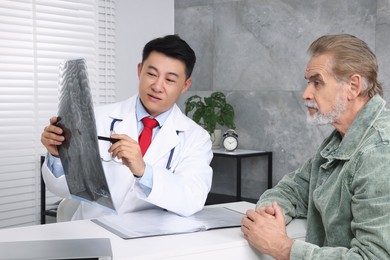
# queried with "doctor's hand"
point(265, 229)
point(128, 150)
point(52, 136)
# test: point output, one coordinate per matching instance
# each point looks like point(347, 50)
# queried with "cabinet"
point(240, 154)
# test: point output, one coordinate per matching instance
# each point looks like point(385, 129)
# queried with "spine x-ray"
point(80, 152)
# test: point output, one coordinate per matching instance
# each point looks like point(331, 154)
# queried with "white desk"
point(220, 243)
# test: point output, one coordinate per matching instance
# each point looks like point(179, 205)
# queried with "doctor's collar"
point(141, 112)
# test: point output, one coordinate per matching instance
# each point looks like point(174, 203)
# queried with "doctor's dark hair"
point(174, 47)
point(350, 55)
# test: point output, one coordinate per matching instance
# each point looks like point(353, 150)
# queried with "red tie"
point(145, 137)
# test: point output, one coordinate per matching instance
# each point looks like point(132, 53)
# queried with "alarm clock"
point(230, 140)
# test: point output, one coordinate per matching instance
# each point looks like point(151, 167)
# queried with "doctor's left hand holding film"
point(125, 148)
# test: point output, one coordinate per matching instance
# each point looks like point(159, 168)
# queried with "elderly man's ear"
point(355, 86)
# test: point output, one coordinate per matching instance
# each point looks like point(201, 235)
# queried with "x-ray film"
point(79, 152)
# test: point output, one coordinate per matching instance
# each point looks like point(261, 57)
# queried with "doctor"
point(174, 173)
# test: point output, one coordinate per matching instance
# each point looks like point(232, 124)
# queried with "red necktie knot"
point(149, 122)
point(145, 138)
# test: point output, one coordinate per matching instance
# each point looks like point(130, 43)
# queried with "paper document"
point(79, 152)
point(157, 222)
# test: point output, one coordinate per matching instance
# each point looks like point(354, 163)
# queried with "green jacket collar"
point(343, 148)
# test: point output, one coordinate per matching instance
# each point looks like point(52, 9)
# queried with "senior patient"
point(174, 172)
point(344, 189)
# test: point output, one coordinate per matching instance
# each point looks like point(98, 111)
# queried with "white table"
point(213, 244)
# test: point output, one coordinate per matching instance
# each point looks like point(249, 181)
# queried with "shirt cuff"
point(55, 166)
point(146, 181)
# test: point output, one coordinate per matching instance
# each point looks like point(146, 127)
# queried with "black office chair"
point(52, 210)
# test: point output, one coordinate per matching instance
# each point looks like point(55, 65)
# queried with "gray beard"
point(329, 118)
point(320, 119)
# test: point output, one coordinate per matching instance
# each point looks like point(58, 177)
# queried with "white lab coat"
point(181, 189)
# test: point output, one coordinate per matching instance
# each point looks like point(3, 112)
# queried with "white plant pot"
point(216, 138)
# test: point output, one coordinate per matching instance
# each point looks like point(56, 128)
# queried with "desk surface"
point(224, 243)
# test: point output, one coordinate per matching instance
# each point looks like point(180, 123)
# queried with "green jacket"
point(343, 191)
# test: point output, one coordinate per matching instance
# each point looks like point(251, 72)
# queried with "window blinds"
point(36, 35)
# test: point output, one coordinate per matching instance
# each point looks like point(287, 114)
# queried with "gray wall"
point(255, 52)
point(131, 35)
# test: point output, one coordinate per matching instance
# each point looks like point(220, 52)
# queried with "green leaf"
point(198, 115)
point(191, 103)
point(189, 107)
point(228, 116)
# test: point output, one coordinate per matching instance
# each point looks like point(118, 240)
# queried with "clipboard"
point(159, 222)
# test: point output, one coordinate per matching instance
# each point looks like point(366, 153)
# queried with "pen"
point(109, 139)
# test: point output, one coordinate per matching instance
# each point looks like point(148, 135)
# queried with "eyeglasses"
point(112, 159)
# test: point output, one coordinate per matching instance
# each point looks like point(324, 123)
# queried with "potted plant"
point(210, 112)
